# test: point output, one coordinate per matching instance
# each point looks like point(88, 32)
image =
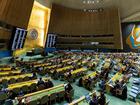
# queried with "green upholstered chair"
point(12, 80)
point(32, 87)
point(16, 90)
point(26, 78)
point(34, 102)
point(19, 79)
point(44, 100)
point(52, 98)
point(61, 96)
point(25, 89)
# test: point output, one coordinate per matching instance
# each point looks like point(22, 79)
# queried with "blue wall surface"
point(6, 53)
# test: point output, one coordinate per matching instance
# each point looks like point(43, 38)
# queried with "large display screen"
point(18, 38)
point(131, 35)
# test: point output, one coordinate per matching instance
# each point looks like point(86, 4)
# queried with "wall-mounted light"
point(91, 1)
point(93, 10)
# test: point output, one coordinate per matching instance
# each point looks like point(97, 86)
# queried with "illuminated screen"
point(18, 39)
point(131, 35)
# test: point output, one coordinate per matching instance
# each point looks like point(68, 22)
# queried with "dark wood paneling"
point(5, 36)
point(101, 39)
point(74, 46)
point(67, 21)
point(16, 12)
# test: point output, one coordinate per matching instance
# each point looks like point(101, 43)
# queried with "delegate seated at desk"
point(94, 100)
point(68, 89)
point(49, 84)
point(40, 82)
point(120, 89)
point(102, 99)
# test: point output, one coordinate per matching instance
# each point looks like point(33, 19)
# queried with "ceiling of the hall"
point(129, 9)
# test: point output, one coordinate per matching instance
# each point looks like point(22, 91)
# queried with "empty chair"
point(19, 79)
point(12, 80)
point(32, 87)
point(72, 93)
point(52, 98)
point(16, 91)
point(44, 100)
point(25, 89)
point(34, 102)
point(61, 96)
point(26, 78)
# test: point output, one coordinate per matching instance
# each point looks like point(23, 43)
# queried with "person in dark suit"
point(102, 99)
point(68, 89)
point(40, 82)
point(50, 84)
point(94, 100)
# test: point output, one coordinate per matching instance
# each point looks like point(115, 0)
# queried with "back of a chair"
point(26, 78)
point(16, 90)
point(12, 80)
point(35, 102)
point(33, 87)
point(61, 94)
point(53, 96)
point(19, 79)
point(72, 93)
point(25, 89)
point(44, 100)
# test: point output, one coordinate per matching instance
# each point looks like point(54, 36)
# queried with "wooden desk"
point(19, 85)
point(16, 77)
point(44, 64)
point(106, 65)
point(39, 94)
point(9, 72)
point(81, 100)
point(67, 60)
point(109, 85)
point(93, 74)
point(7, 68)
point(64, 68)
point(51, 67)
point(78, 71)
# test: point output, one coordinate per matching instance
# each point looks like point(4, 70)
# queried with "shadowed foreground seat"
point(52, 98)
point(32, 87)
point(44, 100)
point(25, 89)
point(61, 96)
point(34, 102)
point(19, 80)
point(16, 91)
point(12, 80)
